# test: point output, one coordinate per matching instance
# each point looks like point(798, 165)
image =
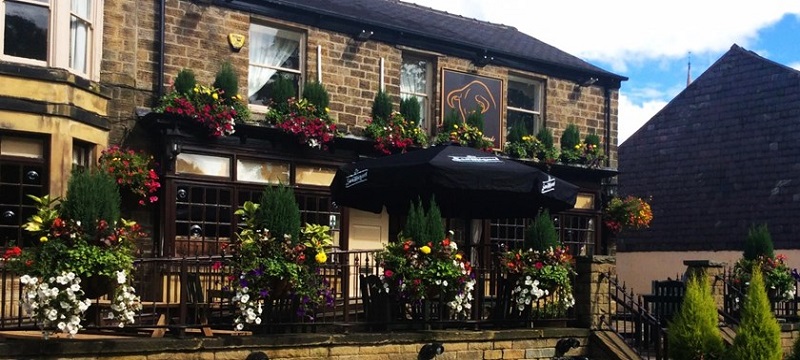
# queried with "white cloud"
point(616, 32)
point(633, 116)
point(795, 65)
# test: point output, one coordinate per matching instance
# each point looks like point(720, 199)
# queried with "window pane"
point(310, 175)
point(523, 95)
point(271, 49)
point(530, 122)
point(263, 94)
point(26, 28)
point(414, 76)
point(262, 171)
point(79, 44)
point(202, 165)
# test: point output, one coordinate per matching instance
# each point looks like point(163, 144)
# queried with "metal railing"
point(629, 317)
point(785, 309)
point(191, 294)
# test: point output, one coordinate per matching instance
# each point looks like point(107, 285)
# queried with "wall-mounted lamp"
point(175, 149)
point(430, 351)
point(364, 35)
point(195, 230)
point(482, 59)
point(589, 81)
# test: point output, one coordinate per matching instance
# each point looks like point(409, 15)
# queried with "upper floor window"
point(273, 53)
point(56, 33)
point(524, 105)
point(415, 81)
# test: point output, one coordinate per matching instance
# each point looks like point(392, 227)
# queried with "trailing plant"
point(207, 107)
point(409, 108)
point(317, 95)
point(133, 172)
point(185, 82)
point(227, 81)
point(395, 135)
point(541, 235)
point(310, 125)
point(694, 332)
point(381, 107)
point(758, 335)
point(759, 253)
point(630, 212)
point(538, 275)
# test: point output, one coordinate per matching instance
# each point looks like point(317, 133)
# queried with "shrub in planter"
point(184, 82)
point(279, 212)
point(694, 333)
point(381, 107)
point(758, 243)
point(410, 110)
point(758, 335)
point(541, 235)
point(227, 81)
point(316, 94)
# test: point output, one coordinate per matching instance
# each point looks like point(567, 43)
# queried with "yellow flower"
point(43, 239)
point(215, 96)
point(321, 257)
point(327, 110)
point(196, 89)
point(577, 146)
point(238, 97)
point(458, 256)
point(425, 249)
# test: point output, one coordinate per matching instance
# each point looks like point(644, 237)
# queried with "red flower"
point(388, 273)
point(12, 252)
point(539, 265)
point(217, 265)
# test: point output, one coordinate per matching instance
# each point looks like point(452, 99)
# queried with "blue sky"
point(648, 42)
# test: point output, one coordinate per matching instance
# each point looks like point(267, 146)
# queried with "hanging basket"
point(97, 286)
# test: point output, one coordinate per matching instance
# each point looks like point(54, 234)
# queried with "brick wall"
point(196, 38)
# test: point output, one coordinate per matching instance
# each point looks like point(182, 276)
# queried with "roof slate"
point(438, 26)
point(722, 155)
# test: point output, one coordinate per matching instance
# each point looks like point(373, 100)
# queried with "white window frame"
point(539, 84)
point(58, 37)
point(300, 71)
point(428, 95)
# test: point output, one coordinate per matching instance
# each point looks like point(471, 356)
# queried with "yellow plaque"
point(236, 41)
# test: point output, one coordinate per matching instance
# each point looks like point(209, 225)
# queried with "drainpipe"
point(607, 118)
point(161, 37)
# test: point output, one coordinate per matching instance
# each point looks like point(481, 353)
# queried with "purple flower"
point(243, 283)
point(264, 293)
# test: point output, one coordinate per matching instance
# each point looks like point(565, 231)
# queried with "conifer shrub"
point(475, 119)
point(227, 81)
point(758, 243)
point(541, 235)
point(185, 82)
point(450, 121)
point(91, 196)
point(316, 94)
point(410, 110)
point(279, 213)
point(795, 355)
point(415, 222)
point(694, 333)
point(545, 135)
point(434, 229)
point(517, 131)
point(281, 90)
point(570, 137)
point(592, 139)
point(381, 107)
point(758, 335)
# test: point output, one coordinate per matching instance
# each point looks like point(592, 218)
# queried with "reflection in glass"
point(197, 164)
point(273, 52)
point(310, 175)
point(262, 171)
point(26, 27)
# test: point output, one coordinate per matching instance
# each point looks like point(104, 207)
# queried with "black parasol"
point(466, 183)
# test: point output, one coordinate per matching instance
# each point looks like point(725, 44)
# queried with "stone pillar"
point(591, 289)
point(713, 270)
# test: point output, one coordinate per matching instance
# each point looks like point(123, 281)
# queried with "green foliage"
point(279, 213)
point(450, 122)
point(91, 197)
point(758, 336)
point(541, 235)
point(434, 229)
point(694, 332)
point(795, 355)
point(281, 90)
point(381, 107)
point(185, 82)
point(518, 130)
point(545, 135)
point(592, 139)
point(475, 119)
point(758, 243)
point(410, 110)
point(570, 137)
point(415, 222)
point(227, 81)
point(317, 95)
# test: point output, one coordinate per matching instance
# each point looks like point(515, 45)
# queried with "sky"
point(649, 42)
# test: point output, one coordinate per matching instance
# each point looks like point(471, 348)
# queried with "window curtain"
point(414, 80)
point(268, 48)
point(79, 34)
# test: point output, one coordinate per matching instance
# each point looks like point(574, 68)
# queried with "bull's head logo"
point(475, 93)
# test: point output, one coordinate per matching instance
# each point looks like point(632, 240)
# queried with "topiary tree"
point(541, 234)
point(381, 107)
point(758, 243)
point(410, 110)
point(450, 121)
point(546, 137)
point(316, 94)
point(570, 137)
point(227, 81)
point(281, 90)
point(758, 335)
point(91, 196)
point(415, 222)
point(434, 229)
point(279, 213)
point(694, 332)
point(475, 119)
point(518, 130)
point(185, 81)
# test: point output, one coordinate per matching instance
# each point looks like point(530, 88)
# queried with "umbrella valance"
point(466, 183)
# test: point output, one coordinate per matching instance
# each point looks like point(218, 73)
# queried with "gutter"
point(607, 118)
point(161, 37)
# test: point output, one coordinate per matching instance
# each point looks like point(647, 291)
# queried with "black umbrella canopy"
point(466, 183)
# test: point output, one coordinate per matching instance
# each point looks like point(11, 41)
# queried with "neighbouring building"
point(720, 157)
point(88, 72)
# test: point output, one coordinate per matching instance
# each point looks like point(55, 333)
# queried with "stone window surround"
point(58, 47)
